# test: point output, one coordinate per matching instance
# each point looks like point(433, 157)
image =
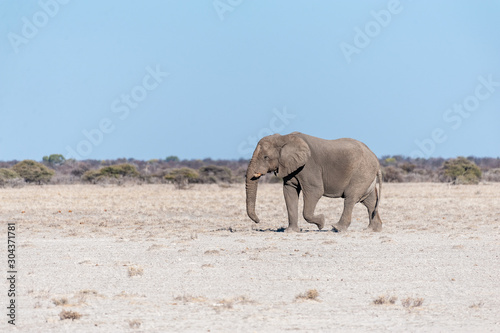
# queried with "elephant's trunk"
point(251, 189)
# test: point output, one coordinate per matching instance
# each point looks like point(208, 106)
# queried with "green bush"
point(172, 159)
point(54, 159)
point(33, 172)
point(120, 170)
point(92, 176)
point(9, 177)
point(8, 174)
point(390, 160)
point(186, 173)
point(215, 174)
point(182, 177)
point(112, 171)
point(462, 171)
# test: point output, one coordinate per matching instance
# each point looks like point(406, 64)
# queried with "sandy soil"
point(153, 258)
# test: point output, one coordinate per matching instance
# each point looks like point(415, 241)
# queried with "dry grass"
point(103, 210)
point(200, 242)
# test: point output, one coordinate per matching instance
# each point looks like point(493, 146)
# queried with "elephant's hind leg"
point(310, 202)
point(345, 219)
point(370, 203)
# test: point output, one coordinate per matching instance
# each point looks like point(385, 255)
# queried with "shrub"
point(492, 175)
point(408, 167)
point(182, 177)
point(187, 173)
point(92, 176)
point(461, 171)
point(214, 174)
point(390, 160)
point(392, 175)
point(54, 159)
point(119, 170)
point(32, 171)
point(9, 177)
point(112, 171)
point(8, 174)
point(78, 169)
point(172, 159)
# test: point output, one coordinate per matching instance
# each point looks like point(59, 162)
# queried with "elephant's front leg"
point(291, 192)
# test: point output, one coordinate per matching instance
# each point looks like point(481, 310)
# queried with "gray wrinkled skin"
point(342, 168)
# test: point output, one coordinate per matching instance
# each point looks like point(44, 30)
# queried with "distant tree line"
point(55, 169)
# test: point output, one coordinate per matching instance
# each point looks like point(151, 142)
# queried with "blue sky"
point(149, 79)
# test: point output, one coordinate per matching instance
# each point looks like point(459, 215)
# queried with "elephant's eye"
point(266, 157)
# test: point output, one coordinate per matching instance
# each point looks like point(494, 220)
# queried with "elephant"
point(341, 168)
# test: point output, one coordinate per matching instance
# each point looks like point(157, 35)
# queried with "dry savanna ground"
point(152, 258)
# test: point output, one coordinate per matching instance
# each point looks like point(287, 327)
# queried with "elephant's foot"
point(375, 226)
point(320, 225)
point(319, 221)
point(292, 229)
point(339, 227)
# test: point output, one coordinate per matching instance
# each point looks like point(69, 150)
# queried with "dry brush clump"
point(492, 175)
point(134, 323)
point(381, 300)
point(229, 303)
point(73, 315)
point(63, 301)
point(476, 305)
point(218, 305)
point(311, 295)
point(392, 174)
point(135, 271)
point(410, 302)
point(211, 252)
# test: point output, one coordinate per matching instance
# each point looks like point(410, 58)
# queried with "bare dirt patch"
point(153, 258)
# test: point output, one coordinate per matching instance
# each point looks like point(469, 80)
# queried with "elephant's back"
point(347, 151)
point(344, 146)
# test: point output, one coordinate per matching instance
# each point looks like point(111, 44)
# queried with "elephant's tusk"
point(257, 175)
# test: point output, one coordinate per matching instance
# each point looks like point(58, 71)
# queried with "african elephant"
point(343, 168)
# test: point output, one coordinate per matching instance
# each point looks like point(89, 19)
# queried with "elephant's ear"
point(293, 155)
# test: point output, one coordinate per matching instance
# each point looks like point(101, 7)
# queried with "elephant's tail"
point(379, 194)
